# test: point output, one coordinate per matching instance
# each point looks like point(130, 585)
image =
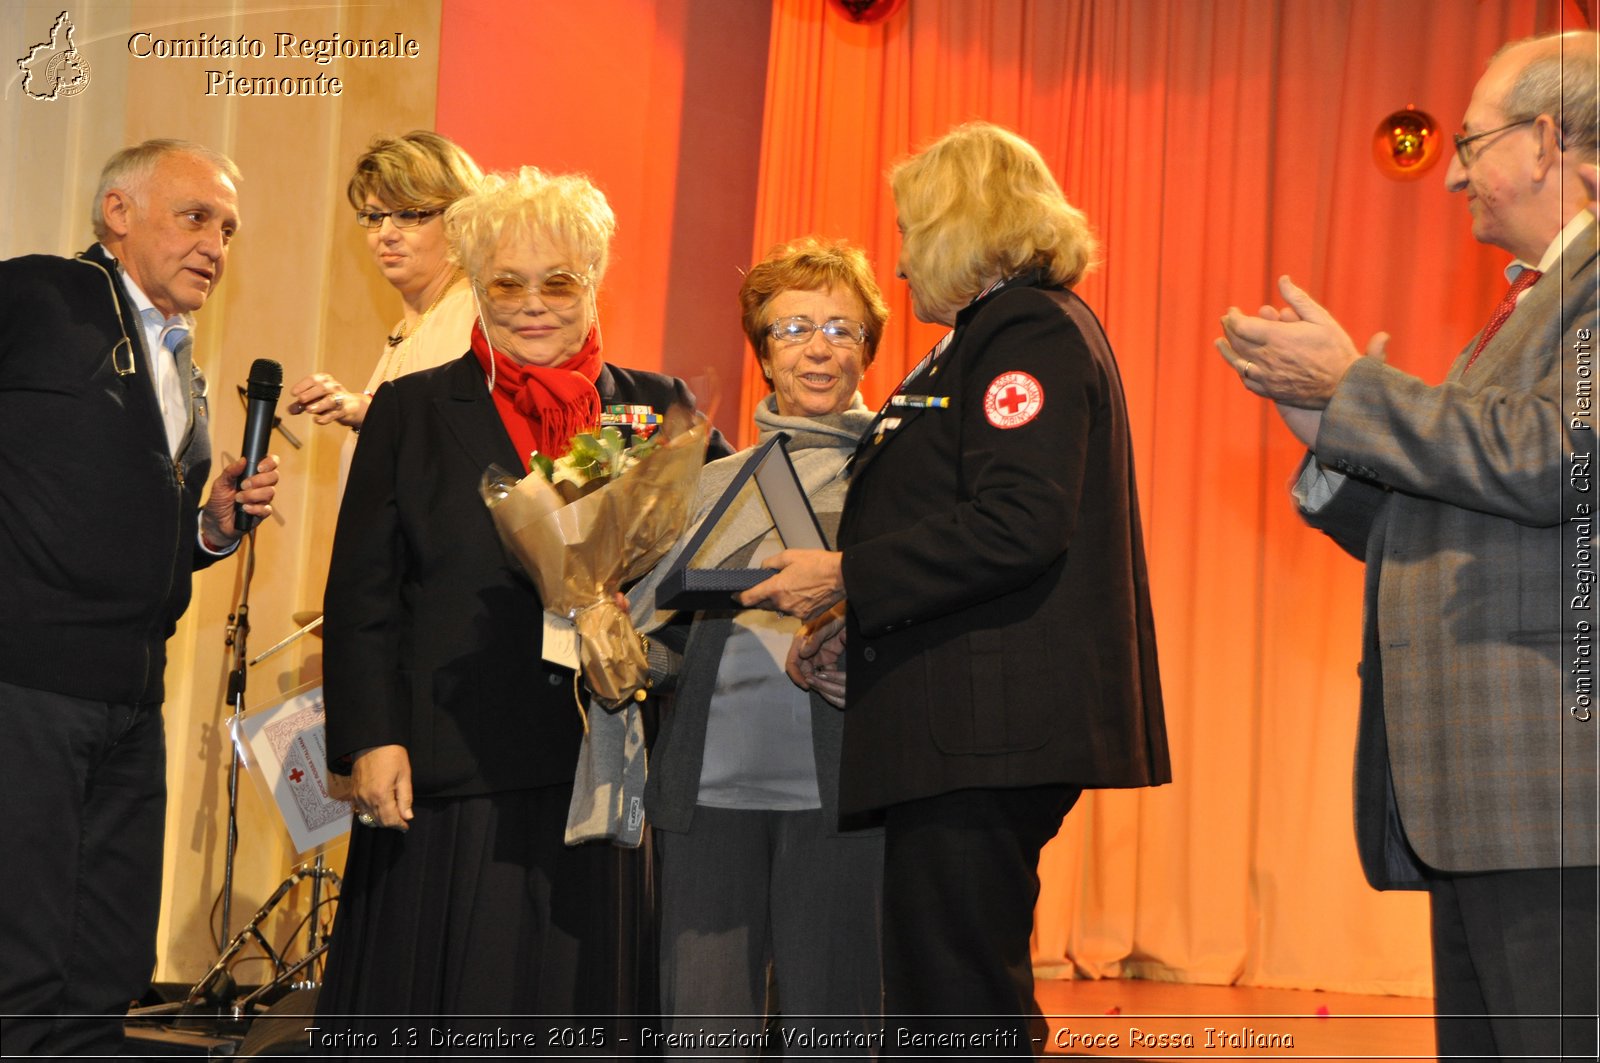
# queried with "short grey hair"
point(130, 169)
point(1561, 80)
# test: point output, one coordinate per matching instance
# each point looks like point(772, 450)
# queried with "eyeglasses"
point(409, 218)
point(558, 290)
point(839, 331)
point(1466, 157)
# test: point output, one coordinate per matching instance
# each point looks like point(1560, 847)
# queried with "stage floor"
point(1166, 1020)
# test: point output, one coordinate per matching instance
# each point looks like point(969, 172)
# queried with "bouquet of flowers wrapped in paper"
point(586, 523)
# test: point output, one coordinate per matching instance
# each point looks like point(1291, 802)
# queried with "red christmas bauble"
point(1406, 144)
point(867, 12)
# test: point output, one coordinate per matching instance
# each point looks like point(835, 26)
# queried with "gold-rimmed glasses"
point(560, 289)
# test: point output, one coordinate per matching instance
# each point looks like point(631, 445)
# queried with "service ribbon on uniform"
point(642, 421)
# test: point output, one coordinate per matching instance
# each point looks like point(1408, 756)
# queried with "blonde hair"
point(811, 264)
point(979, 204)
point(419, 169)
point(565, 210)
point(130, 170)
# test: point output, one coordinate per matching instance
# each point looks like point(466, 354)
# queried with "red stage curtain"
point(1215, 146)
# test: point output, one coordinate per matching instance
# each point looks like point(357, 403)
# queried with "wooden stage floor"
point(1164, 1020)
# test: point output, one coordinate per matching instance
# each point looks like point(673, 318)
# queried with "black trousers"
point(1514, 956)
point(85, 793)
point(961, 878)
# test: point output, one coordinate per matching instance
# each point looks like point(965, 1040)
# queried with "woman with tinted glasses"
point(400, 190)
point(756, 871)
point(459, 894)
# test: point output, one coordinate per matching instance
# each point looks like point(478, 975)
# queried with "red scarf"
point(543, 407)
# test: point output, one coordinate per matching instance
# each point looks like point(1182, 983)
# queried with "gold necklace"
point(395, 356)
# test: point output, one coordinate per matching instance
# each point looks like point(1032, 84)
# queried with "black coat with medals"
point(999, 629)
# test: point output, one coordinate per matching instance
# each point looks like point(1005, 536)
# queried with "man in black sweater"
point(104, 453)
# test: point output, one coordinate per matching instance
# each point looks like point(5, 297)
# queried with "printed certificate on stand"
point(284, 746)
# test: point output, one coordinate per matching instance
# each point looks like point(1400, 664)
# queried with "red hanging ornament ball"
point(867, 12)
point(1406, 144)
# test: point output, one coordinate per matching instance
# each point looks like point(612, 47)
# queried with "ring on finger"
point(366, 820)
point(338, 401)
point(1247, 367)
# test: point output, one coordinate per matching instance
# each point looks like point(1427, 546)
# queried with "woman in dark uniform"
point(996, 620)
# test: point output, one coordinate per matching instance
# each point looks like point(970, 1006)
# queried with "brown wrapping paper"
point(579, 553)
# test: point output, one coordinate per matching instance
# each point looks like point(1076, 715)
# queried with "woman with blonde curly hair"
point(459, 895)
point(995, 650)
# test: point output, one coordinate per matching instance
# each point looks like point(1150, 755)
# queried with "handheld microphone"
point(261, 395)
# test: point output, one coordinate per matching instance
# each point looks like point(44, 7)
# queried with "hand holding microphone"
point(242, 493)
point(261, 395)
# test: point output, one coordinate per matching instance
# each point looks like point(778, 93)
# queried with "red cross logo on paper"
point(296, 775)
point(1013, 399)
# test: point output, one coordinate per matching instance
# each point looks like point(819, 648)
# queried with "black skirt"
point(480, 929)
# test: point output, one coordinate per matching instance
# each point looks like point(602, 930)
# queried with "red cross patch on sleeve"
point(1013, 399)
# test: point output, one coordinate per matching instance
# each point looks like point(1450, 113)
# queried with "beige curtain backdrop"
point(299, 288)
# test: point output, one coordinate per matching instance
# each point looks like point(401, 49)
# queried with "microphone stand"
point(238, 641)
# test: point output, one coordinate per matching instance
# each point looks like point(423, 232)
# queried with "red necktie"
point(1502, 310)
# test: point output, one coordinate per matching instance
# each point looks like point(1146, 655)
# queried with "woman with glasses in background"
point(459, 896)
point(400, 190)
point(756, 872)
